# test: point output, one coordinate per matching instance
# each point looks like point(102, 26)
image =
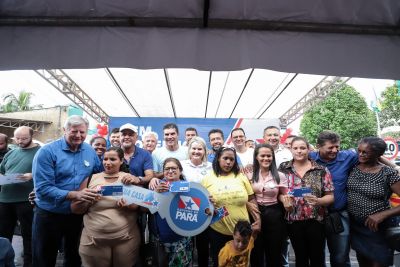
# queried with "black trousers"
point(267, 249)
point(10, 213)
point(308, 241)
point(48, 230)
point(217, 242)
point(203, 248)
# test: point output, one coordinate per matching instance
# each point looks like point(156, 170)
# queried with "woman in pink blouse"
point(269, 186)
point(311, 188)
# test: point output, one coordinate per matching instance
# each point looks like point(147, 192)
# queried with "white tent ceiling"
point(352, 38)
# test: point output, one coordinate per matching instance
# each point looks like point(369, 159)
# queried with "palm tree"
point(21, 102)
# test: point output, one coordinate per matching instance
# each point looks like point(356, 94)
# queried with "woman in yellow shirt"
point(231, 189)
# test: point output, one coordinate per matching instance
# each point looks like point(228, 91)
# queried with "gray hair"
point(75, 120)
point(147, 134)
point(199, 140)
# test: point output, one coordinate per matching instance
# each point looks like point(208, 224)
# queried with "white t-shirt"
point(282, 154)
point(246, 158)
point(161, 154)
point(195, 173)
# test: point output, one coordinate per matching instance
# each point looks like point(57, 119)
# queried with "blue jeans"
point(6, 253)
point(339, 244)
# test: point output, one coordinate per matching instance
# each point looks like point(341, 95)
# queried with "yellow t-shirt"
point(232, 192)
point(229, 257)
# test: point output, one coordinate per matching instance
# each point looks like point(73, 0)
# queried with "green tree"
point(345, 112)
point(19, 102)
point(390, 105)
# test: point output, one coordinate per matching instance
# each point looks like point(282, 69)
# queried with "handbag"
point(333, 223)
point(391, 232)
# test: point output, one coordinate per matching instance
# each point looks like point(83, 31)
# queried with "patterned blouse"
point(319, 179)
point(369, 193)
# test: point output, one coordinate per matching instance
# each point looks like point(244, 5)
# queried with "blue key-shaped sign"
point(187, 213)
point(190, 213)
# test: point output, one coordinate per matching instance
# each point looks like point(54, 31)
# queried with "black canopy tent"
point(355, 38)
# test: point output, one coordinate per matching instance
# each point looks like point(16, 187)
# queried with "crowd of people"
point(274, 194)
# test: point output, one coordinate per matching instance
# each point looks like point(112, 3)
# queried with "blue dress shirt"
point(140, 162)
point(340, 169)
point(57, 170)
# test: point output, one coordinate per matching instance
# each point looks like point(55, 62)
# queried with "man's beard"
point(26, 145)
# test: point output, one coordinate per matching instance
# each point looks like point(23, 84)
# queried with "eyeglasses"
point(168, 169)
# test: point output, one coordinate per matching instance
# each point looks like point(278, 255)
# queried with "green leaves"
point(20, 102)
point(345, 112)
point(390, 115)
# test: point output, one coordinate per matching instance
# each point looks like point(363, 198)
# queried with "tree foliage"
point(390, 105)
point(20, 102)
point(345, 112)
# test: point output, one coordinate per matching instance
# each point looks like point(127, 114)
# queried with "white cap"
point(128, 126)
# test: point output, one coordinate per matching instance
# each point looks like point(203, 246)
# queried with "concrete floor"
point(17, 244)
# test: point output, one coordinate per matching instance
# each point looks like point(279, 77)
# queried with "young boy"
point(236, 253)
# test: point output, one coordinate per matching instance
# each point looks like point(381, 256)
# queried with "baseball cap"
point(128, 126)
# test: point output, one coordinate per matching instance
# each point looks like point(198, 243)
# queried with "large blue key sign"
point(185, 212)
point(189, 212)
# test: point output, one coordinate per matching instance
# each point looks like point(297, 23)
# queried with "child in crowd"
point(237, 251)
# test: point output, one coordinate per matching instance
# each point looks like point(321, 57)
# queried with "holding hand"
point(154, 183)
point(121, 203)
point(130, 179)
point(162, 187)
point(26, 177)
point(287, 201)
point(86, 195)
point(311, 199)
point(31, 198)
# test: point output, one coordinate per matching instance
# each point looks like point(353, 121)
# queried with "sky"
point(265, 85)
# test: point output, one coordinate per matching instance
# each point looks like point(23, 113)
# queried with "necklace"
point(111, 177)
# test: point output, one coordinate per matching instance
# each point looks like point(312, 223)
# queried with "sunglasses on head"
point(223, 148)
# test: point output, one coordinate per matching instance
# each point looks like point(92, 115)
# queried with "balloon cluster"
point(102, 130)
point(286, 134)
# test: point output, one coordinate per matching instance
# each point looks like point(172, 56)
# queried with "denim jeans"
point(6, 253)
point(339, 244)
point(48, 229)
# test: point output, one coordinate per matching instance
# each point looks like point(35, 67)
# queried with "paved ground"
point(17, 244)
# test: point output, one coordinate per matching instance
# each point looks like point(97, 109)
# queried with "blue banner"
point(253, 128)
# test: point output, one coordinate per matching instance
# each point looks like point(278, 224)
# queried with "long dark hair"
point(120, 153)
point(217, 169)
point(178, 163)
point(272, 167)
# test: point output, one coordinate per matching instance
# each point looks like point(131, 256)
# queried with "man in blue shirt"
point(216, 138)
point(139, 161)
point(58, 170)
point(339, 163)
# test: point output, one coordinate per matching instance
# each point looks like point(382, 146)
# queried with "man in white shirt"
point(272, 136)
point(244, 153)
point(171, 148)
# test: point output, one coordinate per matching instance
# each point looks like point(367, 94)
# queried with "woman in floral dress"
point(306, 212)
